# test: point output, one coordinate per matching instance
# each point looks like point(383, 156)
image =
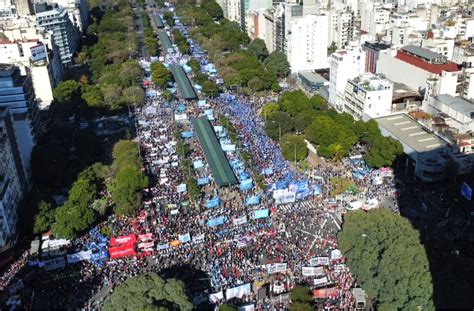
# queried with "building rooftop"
point(420, 62)
point(371, 82)
point(411, 133)
point(377, 45)
point(458, 104)
point(312, 77)
point(426, 54)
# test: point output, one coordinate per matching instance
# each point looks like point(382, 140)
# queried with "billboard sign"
point(38, 52)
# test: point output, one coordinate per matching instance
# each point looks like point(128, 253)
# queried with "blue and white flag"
point(181, 188)
point(253, 200)
point(246, 184)
point(183, 238)
point(198, 164)
point(212, 203)
point(216, 221)
point(263, 213)
point(203, 181)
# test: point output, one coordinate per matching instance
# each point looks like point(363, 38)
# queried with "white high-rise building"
point(33, 49)
point(375, 18)
point(345, 65)
point(308, 43)
point(77, 11)
point(13, 181)
point(341, 27)
point(368, 96)
point(55, 18)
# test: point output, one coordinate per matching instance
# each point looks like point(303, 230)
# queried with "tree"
point(213, 9)
point(384, 252)
point(269, 109)
point(149, 292)
point(160, 75)
point(210, 88)
point(293, 146)
point(195, 66)
point(44, 218)
point(278, 124)
point(134, 95)
point(92, 95)
point(301, 299)
point(258, 48)
point(76, 215)
point(383, 152)
point(294, 102)
point(227, 307)
point(278, 62)
point(332, 48)
point(65, 91)
point(126, 189)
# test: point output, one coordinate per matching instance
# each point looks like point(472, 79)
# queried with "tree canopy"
point(148, 292)
point(278, 62)
point(160, 75)
point(384, 252)
point(129, 179)
point(293, 146)
point(76, 215)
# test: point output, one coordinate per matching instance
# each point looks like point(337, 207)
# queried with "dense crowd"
point(227, 241)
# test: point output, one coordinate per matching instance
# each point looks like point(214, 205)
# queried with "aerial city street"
point(236, 155)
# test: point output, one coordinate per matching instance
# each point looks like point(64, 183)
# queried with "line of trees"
point(334, 133)
point(241, 62)
point(110, 46)
point(149, 36)
point(98, 189)
point(384, 252)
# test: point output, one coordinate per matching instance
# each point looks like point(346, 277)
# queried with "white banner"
point(312, 271)
point(214, 298)
point(336, 254)
point(240, 220)
point(85, 255)
point(238, 291)
point(284, 196)
point(321, 281)
point(276, 267)
point(180, 117)
point(319, 261)
point(198, 238)
point(181, 188)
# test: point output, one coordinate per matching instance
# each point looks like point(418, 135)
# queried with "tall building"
point(375, 18)
point(33, 49)
point(24, 7)
point(7, 9)
point(368, 96)
point(341, 27)
point(308, 43)
point(77, 11)
point(344, 65)
point(56, 19)
point(372, 50)
point(251, 5)
point(16, 93)
point(13, 181)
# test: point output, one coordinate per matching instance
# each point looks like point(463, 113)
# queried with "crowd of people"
point(227, 241)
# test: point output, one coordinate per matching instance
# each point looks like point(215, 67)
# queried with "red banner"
point(121, 251)
point(323, 293)
point(123, 240)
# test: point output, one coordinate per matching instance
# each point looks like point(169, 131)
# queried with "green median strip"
point(216, 158)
